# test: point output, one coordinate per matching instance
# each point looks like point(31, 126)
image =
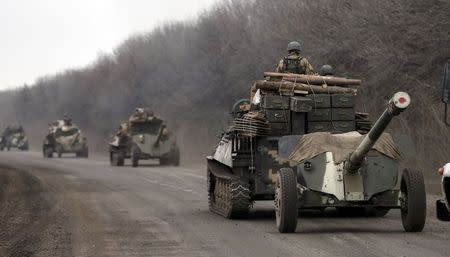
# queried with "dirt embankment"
point(31, 222)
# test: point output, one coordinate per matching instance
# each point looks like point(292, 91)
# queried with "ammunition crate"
point(320, 100)
point(298, 123)
point(301, 104)
point(343, 114)
point(342, 126)
point(320, 115)
point(333, 127)
point(279, 128)
point(275, 102)
point(273, 115)
point(342, 100)
point(319, 127)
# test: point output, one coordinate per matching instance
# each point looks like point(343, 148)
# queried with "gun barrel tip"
point(401, 100)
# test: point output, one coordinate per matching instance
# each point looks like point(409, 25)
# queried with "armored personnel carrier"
point(63, 137)
point(443, 205)
point(144, 137)
point(14, 137)
point(300, 143)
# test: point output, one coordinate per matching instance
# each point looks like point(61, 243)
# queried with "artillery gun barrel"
point(398, 103)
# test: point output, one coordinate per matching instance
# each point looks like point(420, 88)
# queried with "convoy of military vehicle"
point(298, 141)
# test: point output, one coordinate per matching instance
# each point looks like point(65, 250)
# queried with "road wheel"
point(413, 200)
point(135, 155)
point(286, 201)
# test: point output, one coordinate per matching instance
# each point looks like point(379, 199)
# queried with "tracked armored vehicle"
point(14, 137)
point(300, 143)
point(64, 137)
point(144, 137)
point(443, 205)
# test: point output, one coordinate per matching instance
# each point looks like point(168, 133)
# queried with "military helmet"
point(294, 46)
point(326, 70)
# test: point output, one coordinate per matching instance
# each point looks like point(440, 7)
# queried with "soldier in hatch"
point(67, 120)
point(294, 62)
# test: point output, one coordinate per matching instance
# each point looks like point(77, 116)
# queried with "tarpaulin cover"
point(341, 145)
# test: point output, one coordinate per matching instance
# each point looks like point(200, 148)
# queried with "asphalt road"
point(76, 207)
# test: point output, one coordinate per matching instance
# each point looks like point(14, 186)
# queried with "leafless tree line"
point(192, 72)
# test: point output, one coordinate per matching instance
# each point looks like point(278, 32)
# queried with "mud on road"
point(32, 222)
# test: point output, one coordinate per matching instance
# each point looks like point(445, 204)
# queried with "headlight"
point(142, 138)
point(440, 171)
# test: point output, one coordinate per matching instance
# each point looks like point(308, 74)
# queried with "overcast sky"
point(40, 37)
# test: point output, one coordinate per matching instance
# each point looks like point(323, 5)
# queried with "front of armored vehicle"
point(151, 139)
point(68, 138)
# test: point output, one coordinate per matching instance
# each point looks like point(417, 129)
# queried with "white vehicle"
point(442, 205)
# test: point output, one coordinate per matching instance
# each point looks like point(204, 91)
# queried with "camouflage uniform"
point(295, 63)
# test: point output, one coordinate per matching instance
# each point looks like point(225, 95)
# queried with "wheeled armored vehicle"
point(63, 137)
point(14, 137)
point(443, 205)
point(144, 137)
point(300, 143)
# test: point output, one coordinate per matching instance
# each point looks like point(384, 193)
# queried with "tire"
point(83, 153)
point(176, 157)
point(114, 158)
point(48, 152)
point(121, 160)
point(164, 161)
point(117, 158)
point(286, 201)
point(135, 155)
point(413, 200)
point(24, 147)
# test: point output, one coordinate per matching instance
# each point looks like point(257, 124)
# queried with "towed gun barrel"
point(398, 103)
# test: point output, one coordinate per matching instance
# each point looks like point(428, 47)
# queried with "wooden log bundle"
point(314, 79)
point(291, 86)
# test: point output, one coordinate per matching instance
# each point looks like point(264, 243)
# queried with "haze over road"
point(77, 207)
